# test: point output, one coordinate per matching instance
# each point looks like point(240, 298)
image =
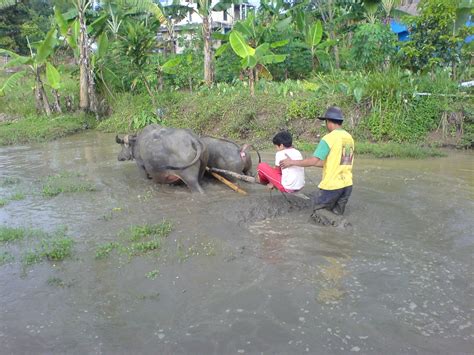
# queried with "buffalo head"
point(127, 143)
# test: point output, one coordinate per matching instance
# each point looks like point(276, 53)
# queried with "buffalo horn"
point(118, 140)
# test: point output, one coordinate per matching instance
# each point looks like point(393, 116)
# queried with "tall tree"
point(327, 9)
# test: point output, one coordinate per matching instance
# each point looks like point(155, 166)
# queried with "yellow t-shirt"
point(337, 151)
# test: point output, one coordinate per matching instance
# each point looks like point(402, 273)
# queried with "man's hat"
point(333, 113)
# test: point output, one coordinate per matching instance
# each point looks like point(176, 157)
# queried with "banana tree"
point(313, 34)
point(254, 60)
point(167, 67)
point(35, 64)
point(204, 9)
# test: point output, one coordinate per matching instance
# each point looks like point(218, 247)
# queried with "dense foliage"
point(277, 69)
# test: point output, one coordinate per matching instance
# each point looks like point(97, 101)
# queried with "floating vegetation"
point(9, 234)
point(153, 297)
point(110, 214)
point(202, 248)
point(9, 181)
point(137, 233)
point(17, 196)
point(66, 182)
point(3, 202)
point(52, 247)
point(13, 234)
point(104, 250)
point(58, 282)
point(152, 274)
point(137, 240)
point(6, 258)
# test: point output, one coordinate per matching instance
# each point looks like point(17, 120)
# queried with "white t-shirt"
point(292, 178)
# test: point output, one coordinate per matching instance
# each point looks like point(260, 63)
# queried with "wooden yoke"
point(226, 182)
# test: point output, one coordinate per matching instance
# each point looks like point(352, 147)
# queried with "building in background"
point(186, 29)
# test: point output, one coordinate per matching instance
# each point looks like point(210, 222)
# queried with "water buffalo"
point(228, 155)
point(167, 155)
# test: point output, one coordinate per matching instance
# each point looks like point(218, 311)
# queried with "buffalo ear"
point(118, 140)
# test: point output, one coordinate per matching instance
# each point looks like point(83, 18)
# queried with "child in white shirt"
point(286, 180)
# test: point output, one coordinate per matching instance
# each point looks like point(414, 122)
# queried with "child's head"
point(283, 138)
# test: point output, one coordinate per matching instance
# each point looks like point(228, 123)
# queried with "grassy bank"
point(40, 129)
point(19, 122)
point(381, 108)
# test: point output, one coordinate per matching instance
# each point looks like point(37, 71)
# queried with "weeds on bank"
point(66, 182)
point(383, 150)
point(34, 128)
point(3, 202)
point(395, 150)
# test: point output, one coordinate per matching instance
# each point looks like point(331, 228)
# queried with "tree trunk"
point(206, 32)
point(87, 94)
point(152, 96)
point(42, 103)
point(453, 70)
point(190, 79)
point(251, 82)
point(335, 49)
point(56, 105)
point(160, 80)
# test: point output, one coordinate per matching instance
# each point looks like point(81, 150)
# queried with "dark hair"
point(338, 122)
point(283, 137)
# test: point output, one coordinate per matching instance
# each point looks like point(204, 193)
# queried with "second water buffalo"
point(167, 155)
point(227, 155)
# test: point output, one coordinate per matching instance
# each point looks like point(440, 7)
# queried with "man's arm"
point(311, 161)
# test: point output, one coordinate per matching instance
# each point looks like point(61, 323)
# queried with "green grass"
point(56, 248)
point(66, 182)
point(137, 233)
point(24, 125)
point(104, 250)
point(6, 258)
point(17, 196)
point(152, 274)
point(137, 240)
point(9, 234)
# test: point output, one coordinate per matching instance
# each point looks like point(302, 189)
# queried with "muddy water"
point(240, 274)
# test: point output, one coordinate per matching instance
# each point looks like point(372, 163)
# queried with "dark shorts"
point(333, 200)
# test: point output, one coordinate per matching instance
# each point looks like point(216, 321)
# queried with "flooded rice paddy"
point(235, 274)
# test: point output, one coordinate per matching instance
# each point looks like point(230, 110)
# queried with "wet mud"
point(237, 274)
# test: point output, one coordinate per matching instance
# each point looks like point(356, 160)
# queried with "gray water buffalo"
point(167, 155)
point(228, 155)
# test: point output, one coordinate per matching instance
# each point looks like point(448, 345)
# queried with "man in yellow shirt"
point(335, 154)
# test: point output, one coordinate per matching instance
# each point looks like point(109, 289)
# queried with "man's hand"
point(286, 163)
